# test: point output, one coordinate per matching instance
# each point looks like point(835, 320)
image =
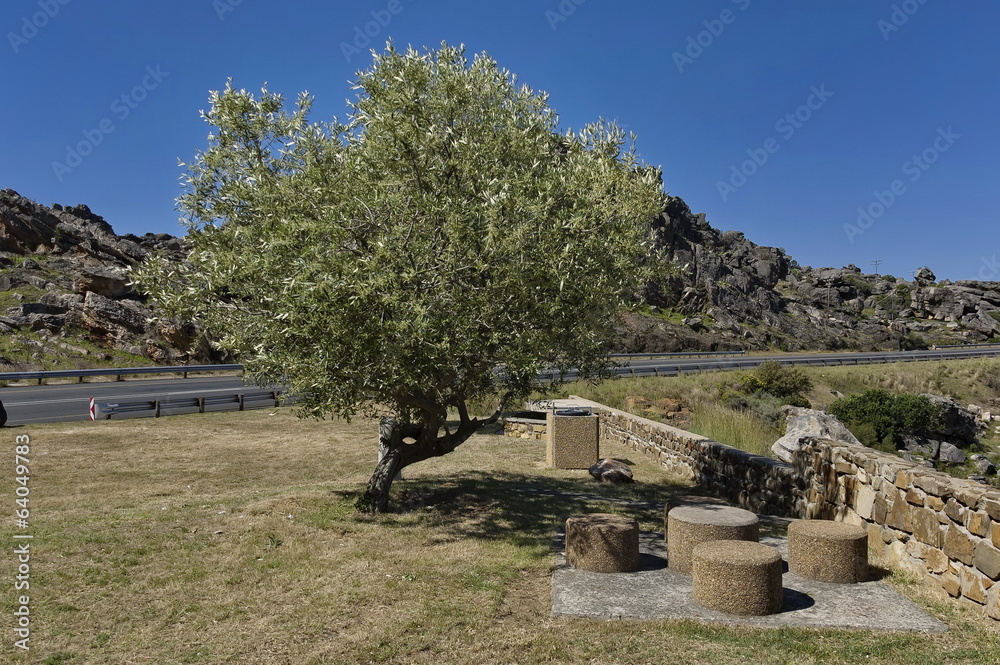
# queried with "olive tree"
point(433, 250)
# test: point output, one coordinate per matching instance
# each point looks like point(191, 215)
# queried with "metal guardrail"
point(679, 354)
point(859, 359)
point(185, 369)
point(104, 410)
point(963, 346)
point(118, 372)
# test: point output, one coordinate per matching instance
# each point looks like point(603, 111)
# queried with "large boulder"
point(959, 424)
point(801, 423)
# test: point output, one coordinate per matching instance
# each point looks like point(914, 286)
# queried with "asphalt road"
point(667, 367)
point(70, 402)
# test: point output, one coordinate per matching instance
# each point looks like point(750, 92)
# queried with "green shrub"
point(765, 407)
point(913, 342)
point(862, 286)
point(883, 417)
point(773, 378)
point(866, 434)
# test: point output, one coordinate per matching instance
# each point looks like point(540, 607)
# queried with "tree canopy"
point(435, 249)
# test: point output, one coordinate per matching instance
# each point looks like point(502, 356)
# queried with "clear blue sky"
point(829, 100)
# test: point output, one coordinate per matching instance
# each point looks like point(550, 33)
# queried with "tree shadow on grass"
point(522, 509)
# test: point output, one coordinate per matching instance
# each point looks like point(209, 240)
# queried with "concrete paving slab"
point(656, 592)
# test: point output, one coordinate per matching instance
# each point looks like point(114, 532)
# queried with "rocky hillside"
point(65, 300)
point(726, 292)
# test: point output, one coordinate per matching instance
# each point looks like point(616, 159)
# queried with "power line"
point(876, 263)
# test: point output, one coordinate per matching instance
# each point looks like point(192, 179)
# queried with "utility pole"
point(876, 263)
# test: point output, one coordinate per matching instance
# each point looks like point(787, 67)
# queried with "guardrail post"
point(156, 409)
point(185, 374)
point(240, 396)
point(274, 396)
point(118, 377)
point(40, 379)
point(201, 403)
point(79, 379)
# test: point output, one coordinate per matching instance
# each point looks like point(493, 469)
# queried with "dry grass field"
point(232, 538)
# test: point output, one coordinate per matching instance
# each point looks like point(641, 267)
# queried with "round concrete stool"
point(828, 551)
point(687, 526)
point(738, 577)
point(602, 543)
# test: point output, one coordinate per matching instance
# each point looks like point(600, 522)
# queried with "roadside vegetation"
point(879, 418)
point(233, 538)
point(743, 409)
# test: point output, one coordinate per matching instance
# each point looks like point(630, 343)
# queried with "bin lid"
point(573, 412)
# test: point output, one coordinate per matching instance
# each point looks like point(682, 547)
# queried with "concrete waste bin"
point(571, 439)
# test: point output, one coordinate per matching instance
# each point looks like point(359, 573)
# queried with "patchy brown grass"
point(232, 538)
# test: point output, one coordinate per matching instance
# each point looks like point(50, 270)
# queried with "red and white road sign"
point(93, 409)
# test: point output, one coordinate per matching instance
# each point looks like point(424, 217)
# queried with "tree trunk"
point(394, 454)
point(390, 454)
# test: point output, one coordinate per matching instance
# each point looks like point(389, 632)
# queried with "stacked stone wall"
point(524, 428)
point(939, 528)
point(756, 483)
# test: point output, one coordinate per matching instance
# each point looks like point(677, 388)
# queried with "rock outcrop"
point(802, 424)
point(725, 292)
point(65, 294)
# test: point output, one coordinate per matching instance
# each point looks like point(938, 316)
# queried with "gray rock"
point(102, 281)
point(951, 454)
point(959, 423)
point(921, 446)
point(983, 464)
point(801, 423)
point(611, 471)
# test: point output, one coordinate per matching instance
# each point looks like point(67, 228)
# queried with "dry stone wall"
point(760, 484)
point(937, 527)
point(524, 428)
